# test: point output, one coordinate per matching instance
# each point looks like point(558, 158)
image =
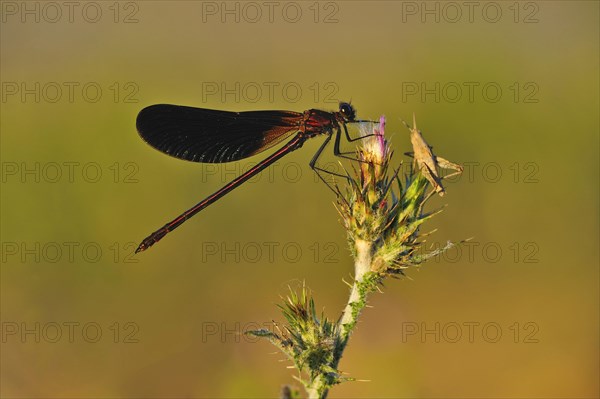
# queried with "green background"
point(187, 305)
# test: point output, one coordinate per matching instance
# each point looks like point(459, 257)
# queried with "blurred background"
point(508, 89)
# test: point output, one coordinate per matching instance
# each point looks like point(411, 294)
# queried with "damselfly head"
point(348, 111)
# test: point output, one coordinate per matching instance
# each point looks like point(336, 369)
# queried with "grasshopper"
point(427, 162)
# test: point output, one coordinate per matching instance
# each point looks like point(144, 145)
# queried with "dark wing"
point(211, 136)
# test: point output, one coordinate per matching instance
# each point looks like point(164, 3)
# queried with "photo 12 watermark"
point(438, 332)
point(269, 252)
point(471, 332)
point(269, 92)
point(233, 331)
point(517, 172)
point(69, 92)
point(292, 172)
point(470, 92)
point(55, 332)
point(254, 12)
point(490, 252)
point(28, 172)
point(70, 12)
point(470, 12)
point(70, 252)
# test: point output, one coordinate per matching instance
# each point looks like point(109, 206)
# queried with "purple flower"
point(374, 148)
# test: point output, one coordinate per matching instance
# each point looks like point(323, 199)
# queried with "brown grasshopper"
point(427, 162)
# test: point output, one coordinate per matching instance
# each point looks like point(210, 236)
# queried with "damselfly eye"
point(348, 111)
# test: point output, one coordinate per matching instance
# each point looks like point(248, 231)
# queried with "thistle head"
point(374, 149)
point(381, 207)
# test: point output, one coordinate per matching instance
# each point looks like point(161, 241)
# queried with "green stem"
point(319, 386)
point(357, 300)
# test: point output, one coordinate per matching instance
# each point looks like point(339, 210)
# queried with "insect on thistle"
point(215, 136)
point(427, 162)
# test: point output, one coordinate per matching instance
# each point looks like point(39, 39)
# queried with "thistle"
point(382, 213)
